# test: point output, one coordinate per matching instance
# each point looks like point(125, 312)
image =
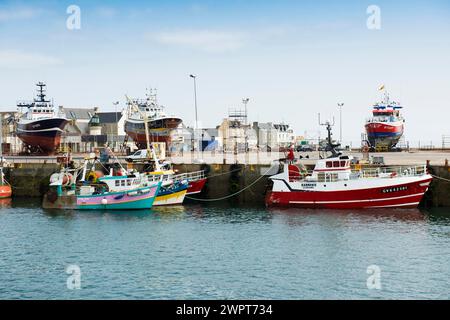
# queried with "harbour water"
point(223, 252)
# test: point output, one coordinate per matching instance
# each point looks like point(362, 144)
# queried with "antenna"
point(330, 145)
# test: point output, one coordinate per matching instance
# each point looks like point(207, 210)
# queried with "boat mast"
point(147, 136)
point(330, 145)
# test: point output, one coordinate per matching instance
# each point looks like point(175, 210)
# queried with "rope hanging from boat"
point(440, 178)
point(233, 194)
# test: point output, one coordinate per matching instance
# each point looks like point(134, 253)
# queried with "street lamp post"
point(246, 130)
point(340, 105)
point(195, 101)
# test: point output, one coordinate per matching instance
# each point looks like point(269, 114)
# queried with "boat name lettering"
point(308, 185)
point(396, 189)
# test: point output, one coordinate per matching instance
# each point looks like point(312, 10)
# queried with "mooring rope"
point(440, 178)
point(233, 194)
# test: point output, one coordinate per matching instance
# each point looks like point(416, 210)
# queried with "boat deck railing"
point(390, 172)
point(190, 176)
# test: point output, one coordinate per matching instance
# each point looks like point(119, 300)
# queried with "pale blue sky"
point(291, 58)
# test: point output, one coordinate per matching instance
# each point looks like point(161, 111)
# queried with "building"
point(233, 135)
point(10, 142)
point(210, 140)
point(267, 136)
point(76, 128)
point(286, 136)
point(112, 123)
point(182, 140)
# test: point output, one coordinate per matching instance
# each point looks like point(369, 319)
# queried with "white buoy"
point(104, 201)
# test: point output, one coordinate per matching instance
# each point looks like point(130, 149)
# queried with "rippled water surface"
point(223, 252)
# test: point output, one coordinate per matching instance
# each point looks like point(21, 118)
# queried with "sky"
point(292, 59)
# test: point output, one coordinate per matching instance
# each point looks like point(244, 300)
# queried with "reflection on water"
point(223, 251)
point(5, 203)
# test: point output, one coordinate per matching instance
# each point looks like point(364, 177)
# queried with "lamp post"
point(245, 101)
point(195, 101)
point(340, 105)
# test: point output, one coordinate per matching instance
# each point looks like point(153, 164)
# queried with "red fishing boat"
point(386, 126)
point(333, 184)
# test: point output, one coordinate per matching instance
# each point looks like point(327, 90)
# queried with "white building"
point(286, 136)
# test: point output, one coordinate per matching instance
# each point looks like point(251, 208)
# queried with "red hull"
point(141, 140)
point(402, 196)
point(5, 191)
point(47, 144)
point(196, 186)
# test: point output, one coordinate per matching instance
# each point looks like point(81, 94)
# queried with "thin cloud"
point(218, 41)
point(19, 13)
point(107, 12)
point(11, 59)
point(205, 40)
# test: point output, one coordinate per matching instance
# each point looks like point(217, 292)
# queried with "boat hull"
point(403, 195)
point(159, 130)
point(5, 191)
point(196, 186)
point(44, 134)
point(384, 134)
point(171, 196)
point(130, 200)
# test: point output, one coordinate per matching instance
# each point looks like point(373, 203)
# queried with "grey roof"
point(79, 113)
point(281, 126)
point(266, 126)
point(109, 117)
point(212, 132)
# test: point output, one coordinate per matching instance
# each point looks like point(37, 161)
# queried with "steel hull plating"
point(5, 191)
point(384, 134)
point(196, 186)
point(44, 134)
point(159, 130)
point(403, 195)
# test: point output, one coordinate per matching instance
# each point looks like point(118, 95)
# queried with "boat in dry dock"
point(333, 184)
point(40, 127)
point(385, 128)
point(159, 124)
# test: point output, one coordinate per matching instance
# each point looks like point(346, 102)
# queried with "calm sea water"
point(210, 252)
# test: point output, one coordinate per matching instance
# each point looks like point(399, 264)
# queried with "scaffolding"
point(445, 142)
